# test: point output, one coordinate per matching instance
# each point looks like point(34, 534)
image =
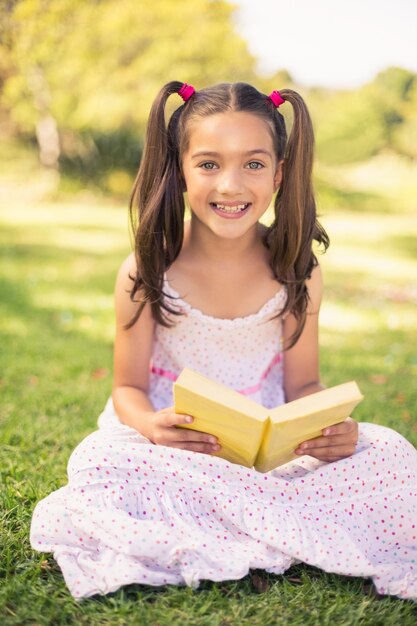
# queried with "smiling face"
point(231, 171)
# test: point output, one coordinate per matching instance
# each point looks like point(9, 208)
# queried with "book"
point(250, 434)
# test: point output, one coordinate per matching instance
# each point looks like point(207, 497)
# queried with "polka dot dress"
point(135, 512)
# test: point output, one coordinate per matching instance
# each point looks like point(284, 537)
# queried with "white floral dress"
point(135, 512)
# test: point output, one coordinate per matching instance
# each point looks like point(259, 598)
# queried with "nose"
point(230, 182)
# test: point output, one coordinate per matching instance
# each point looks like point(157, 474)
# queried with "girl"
point(151, 503)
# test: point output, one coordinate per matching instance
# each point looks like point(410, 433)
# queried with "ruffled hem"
point(156, 515)
point(100, 554)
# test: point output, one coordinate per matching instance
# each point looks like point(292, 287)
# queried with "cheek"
point(268, 184)
point(197, 181)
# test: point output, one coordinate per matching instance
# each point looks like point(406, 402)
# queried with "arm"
point(302, 377)
point(132, 357)
point(301, 362)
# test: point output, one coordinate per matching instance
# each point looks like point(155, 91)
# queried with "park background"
point(77, 79)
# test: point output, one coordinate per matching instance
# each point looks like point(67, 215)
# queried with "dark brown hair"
point(157, 203)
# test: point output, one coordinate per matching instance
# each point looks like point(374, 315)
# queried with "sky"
point(329, 43)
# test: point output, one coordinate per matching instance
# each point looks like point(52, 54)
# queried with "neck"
point(203, 245)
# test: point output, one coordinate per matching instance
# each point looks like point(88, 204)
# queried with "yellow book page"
point(237, 421)
point(305, 418)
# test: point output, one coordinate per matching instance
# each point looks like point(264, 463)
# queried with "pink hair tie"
point(186, 92)
point(276, 98)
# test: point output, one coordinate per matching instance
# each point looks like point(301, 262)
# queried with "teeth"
point(229, 209)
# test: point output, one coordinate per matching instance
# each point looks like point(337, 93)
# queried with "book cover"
point(250, 434)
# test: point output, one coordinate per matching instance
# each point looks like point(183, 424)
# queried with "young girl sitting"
point(237, 301)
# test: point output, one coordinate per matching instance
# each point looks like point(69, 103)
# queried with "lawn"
point(59, 258)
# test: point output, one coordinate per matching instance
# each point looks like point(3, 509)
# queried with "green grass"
point(58, 264)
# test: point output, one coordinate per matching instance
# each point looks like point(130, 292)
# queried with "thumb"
point(172, 418)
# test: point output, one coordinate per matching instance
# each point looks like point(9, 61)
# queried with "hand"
point(337, 442)
point(164, 433)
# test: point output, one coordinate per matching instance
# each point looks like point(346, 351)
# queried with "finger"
point(172, 418)
point(196, 436)
point(332, 453)
point(195, 446)
point(327, 442)
point(349, 425)
point(183, 437)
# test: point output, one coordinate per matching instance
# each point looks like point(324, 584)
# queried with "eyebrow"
point(216, 154)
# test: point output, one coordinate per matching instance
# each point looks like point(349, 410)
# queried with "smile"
point(234, 208)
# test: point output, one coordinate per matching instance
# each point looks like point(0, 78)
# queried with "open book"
point(250, 434)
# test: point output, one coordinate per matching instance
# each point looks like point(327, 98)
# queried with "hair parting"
point(157, 204)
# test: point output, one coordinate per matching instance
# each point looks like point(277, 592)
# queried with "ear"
point(278, 174)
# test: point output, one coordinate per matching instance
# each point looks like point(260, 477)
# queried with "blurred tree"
point(396, 88)
point(6, 63)
point(356, 125)
point(81, 70)
point(389, 91)
point(79, 77)
point(394, 83)
point(405, 135)
point(350, 127)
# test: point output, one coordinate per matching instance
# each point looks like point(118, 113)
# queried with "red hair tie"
point(276, 98)
point(186, 92)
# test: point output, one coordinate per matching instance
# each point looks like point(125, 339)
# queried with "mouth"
point(230, 208)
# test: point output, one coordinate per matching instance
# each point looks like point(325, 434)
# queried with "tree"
point(85, 68)
point(405, 135)
point(356, 125)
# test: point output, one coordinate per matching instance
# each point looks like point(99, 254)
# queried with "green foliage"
point(99, 65)
point(94, 68)
point(100, 159)
point(350, 128)
point(356, 125)
point(404, 137)
point(394, 84)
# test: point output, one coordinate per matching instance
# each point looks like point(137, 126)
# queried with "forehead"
point(237, 131)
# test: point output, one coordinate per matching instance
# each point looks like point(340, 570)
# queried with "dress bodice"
point(244, 353)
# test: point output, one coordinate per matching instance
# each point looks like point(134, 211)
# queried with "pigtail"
point(157, 208)
point(295, 193)
point(296, 226)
